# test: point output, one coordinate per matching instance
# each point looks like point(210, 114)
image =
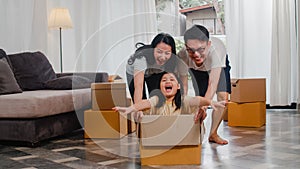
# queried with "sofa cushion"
point(8, 83)
point(31, 69)
point(41, 103)
point(68, 82)
point(95, 77)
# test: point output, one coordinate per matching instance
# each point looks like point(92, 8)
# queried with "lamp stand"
point(61, 60)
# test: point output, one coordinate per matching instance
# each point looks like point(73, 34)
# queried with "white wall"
point(192, 17)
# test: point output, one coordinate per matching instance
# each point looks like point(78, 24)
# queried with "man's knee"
point(222, 96)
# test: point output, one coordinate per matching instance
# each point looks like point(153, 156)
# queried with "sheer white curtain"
point(298, 51)
point(144, 21)
point(116, 30)
point(105, 32)
point(284, 69)
point(248, 38)
point(255, 51)
point(102, 38)
point(23, 25)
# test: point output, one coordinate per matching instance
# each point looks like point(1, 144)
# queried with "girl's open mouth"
point(168, 88)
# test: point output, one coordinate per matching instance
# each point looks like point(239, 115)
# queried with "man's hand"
point(218, 105)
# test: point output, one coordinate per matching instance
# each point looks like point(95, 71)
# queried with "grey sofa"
point(36, 103)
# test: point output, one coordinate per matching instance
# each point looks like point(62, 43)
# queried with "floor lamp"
point(60, 19)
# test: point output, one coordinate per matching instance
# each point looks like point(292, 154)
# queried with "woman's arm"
point(138, 86)
point(184, 80)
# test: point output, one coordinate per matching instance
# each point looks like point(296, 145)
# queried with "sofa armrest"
point(93, 76)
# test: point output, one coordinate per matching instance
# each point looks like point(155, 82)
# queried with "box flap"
point(115, 78)
point(108, 85)
point(234, 82)
point(157, 130)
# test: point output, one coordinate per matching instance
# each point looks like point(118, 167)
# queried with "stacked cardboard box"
point(170, 140)
point(247, 106)
point(101, 121)
point(105, 96)
point(225, 115)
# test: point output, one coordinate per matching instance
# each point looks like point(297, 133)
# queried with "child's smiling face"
point(169, 85)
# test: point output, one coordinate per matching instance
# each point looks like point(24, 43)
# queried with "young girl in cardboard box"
point(169, 100)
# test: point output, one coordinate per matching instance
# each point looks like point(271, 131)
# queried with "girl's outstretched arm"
point(142, 105)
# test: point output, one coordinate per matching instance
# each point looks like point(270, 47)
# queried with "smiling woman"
point(147, 64)
point(162, 53)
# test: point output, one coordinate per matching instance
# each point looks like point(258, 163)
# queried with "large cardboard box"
point(107, 95)
point(248, 90)
point(170, 140)
point(247, 114)
point(104, 124)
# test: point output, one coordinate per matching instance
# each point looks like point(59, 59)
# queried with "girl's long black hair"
point(162, 99)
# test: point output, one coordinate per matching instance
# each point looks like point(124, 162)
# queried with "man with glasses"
point(209, 68)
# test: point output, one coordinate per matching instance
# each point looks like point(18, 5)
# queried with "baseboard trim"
point(292, 106)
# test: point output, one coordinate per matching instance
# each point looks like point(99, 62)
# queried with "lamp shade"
point(60, 18)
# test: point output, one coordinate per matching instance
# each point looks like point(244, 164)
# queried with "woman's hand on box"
point(200, 115)
point(138, 116)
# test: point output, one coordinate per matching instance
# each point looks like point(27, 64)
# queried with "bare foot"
point(217, 139)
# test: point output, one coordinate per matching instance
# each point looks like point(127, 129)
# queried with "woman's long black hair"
point(162, 99)
point(147, 51)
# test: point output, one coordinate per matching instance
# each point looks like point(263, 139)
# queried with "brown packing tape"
point(109, 85)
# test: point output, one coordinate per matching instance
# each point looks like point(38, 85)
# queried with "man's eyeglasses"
point(193, 51)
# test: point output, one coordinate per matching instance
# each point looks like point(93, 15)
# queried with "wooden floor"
point(275, 145)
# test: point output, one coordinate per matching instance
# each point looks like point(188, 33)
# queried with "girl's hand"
point(125, 110)
point(217, 105)
point(137, 115)
point(120, 109)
